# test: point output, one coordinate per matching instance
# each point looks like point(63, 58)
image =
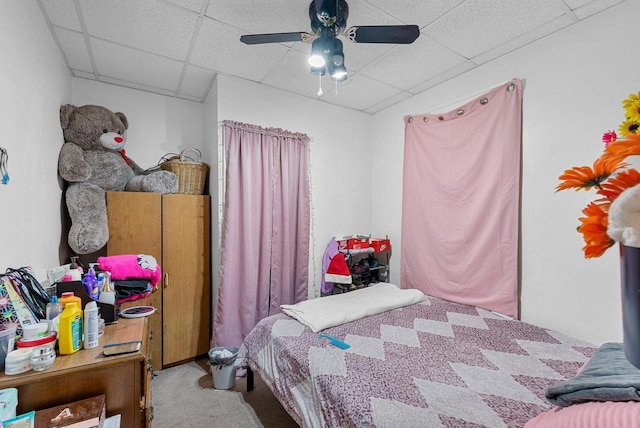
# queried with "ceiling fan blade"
point(400, 34)
point(255, 39)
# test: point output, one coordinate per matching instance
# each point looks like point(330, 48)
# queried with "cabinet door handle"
point(166, 280)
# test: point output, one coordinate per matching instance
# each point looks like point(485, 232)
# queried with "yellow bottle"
point(70, 329)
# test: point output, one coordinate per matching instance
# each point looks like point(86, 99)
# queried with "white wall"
point(34, 82)
point(340, 154)
point(157, 124)
point(575, 81)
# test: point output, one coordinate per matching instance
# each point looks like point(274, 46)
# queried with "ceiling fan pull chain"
point(320, 93)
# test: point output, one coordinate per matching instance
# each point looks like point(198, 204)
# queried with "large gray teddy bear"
point(92, 161)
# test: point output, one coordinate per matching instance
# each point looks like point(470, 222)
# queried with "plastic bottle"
point(67, 297)
point(91, 325)
point(70, 334)
point(53, 311)
point(107, 294)
point(74, 271)
point(90, 283)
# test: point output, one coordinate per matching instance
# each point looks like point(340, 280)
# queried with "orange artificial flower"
point(594, 230)
point(583, 177)
point(623, 148)
point(610, 175)
point(619, 183)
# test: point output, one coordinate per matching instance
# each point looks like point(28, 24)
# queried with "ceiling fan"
point(329, 20)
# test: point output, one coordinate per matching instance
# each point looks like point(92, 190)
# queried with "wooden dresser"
point(124, 379)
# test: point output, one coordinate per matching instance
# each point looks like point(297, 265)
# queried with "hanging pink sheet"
point(461, 199)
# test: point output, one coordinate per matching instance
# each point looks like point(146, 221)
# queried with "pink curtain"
point(460, 203)
point(266, 228)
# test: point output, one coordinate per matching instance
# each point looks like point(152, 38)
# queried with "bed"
point(433, 363)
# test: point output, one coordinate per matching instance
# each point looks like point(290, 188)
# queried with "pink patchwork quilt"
point(430, 364)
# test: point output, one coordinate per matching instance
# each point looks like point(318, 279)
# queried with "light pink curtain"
point(460, 203)
point(266, 228)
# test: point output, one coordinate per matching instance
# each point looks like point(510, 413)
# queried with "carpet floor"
point(184, 396)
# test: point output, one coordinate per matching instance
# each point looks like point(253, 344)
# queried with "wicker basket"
point(191, 172)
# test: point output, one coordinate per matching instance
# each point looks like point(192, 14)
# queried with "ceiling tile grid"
point(177, 47)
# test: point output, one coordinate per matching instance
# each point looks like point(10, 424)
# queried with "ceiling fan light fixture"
point(318, 71)
point(316, 59)
point(337, 55)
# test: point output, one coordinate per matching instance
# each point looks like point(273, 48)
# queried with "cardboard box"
point(353, 243)
point(88, 413)
point(380, 245)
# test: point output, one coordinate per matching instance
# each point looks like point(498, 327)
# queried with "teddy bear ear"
point(123, 119)
point(65, 113)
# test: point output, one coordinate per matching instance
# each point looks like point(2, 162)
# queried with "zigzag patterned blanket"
point(431, 364)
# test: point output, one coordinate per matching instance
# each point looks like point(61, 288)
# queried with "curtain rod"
point(271, 132)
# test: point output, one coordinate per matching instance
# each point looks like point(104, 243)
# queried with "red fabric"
point(338, 271)
point(460, 205)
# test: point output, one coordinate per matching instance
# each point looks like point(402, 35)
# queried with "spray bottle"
point(91, 325)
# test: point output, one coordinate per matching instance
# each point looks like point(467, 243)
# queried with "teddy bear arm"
point(72, 165)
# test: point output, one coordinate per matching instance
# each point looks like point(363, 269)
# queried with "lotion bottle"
point(74, 271)
point(70, 334)
point(107, 294)
point(91, 325)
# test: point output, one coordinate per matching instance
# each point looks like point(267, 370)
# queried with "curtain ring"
point(410, 120)
point(460, 112)
point(484, 100)
point(511, 87)
point(425, 119)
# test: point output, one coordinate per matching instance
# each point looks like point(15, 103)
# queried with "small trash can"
point(221, 360)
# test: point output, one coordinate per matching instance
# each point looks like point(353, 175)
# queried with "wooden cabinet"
point(123, 379)
point(175, 229)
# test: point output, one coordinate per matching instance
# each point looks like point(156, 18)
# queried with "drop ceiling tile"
point(476, 26)
point(419, 13)
point(595, 6)
point(443, 77)
point(260, 16)
point(194, 5)
point(131, 65)
point(149, 25)
point(133, 85)
point(389, 102)
point(197, 81)
point(524, 39)
point(74, 49)
point(363, 13)
point(218, 47)
point(406, 66)
point(62, 13)
point(293, 74)
point(574, 4)
point(358, 92)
